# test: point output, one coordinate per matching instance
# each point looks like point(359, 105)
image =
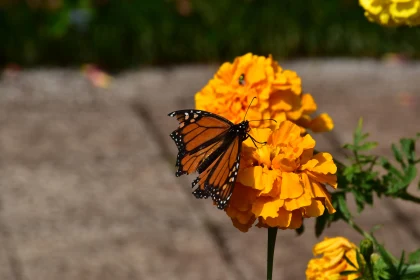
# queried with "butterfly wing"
point(199, 135)
point(219, 178)
point(207, 144)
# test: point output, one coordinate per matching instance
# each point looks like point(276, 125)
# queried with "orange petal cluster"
point(329, 266)
point(282, 182)
point(279, 94)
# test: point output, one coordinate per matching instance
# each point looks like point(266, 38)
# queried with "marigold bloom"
point(279, 94)
point(329, 266)
point(282, 182)
point(392, 12)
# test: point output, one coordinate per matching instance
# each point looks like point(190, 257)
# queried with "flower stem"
point(359, 229)
point(271, 244)
point(409, 197)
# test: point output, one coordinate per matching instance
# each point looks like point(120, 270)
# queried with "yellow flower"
point(329, 266)
point(392, 12)
point(282, 182)
point(279, 94)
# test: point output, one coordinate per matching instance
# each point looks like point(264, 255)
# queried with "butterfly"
point(210, 145)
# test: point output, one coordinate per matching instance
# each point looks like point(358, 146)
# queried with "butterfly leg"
point(255, 141)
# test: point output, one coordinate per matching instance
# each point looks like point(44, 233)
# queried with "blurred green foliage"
point(124, 33)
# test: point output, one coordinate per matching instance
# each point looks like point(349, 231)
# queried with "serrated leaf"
point(360, 200)
point(408, 148)
point(367, 146)
point(390, 168)
point(410, 174)
point(414, 257)
point(349, 147)
point(343, 206)
point(387, 258)
point(398, 155)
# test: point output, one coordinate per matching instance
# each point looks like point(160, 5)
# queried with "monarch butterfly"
point(211, 145)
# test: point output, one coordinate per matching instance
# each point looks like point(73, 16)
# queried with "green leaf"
point(357, 137)
point(320, 224)
point(348, 272)
point(408, 148)
point(349, 147)
point(401, 263)
point(367, 146)
point(414, 257)
point(387, 258)
point(343, 205)
point(390, 168)
point(410, 174)
point(398, 155)
point(349, 261)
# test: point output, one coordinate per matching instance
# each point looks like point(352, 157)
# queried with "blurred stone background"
point(87, 184)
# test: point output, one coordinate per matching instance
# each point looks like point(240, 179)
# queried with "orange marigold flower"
point(329, 266)
point(282, 182)
point(279, 93)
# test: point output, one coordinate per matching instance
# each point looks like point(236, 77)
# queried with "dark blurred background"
point(123, 33)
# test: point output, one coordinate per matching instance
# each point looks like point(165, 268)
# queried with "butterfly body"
point(211, 146)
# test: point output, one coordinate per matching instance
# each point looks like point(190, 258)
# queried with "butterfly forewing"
point(211, 145)
point(199, 134)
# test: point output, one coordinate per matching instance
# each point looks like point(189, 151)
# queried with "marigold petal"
point(316, 209)
point(286, 132)
point(291, 186)
point(243, 227)
point(322, 123)
point(308, 104)
point(242, 198)
point(307, 143)
point(296, 220)
point(330, 244)
point(262, 155)
point(267, 180)
point(320, 163)
point(281, 220)
point(330, 179)
point(267, 207)
point(251, 177)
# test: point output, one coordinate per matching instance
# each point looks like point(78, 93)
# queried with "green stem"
point(359, 229)
point(271, 244)
point(409, 197)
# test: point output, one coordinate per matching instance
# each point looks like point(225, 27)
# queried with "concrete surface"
point(87, 178)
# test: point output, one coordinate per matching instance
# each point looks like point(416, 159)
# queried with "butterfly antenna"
point(249, 106)
point(264, 120)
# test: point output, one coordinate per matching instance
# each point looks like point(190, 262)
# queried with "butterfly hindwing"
point(218, 180)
